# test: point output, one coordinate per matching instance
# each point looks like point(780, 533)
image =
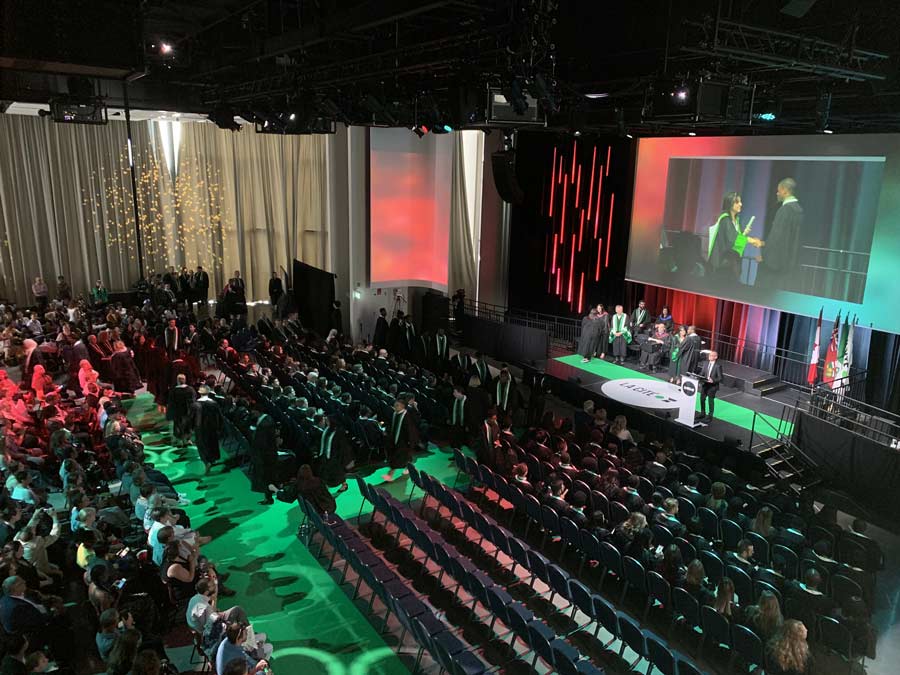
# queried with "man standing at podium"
point(710, 376)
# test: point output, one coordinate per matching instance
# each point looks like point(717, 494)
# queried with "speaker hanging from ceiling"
point(504, 166)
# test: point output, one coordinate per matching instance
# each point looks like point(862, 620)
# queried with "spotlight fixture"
point(681, 95)
point(827, 131)
point(447, 128)
point(692, 133)
point(292, 117)
point(419, 130)
point(223, 117)
point(165, 48)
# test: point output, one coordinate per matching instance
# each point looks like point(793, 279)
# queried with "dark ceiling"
point(812, 63)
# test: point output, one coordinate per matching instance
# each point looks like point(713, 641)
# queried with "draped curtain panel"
point(65, 204)
point(463, 253)
point(225, 200)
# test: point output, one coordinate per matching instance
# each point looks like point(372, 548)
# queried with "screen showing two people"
point(794, 223)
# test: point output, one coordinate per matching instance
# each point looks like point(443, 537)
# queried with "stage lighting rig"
point(223, 117)
point(70, 110)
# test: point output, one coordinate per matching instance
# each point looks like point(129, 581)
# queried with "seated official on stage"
point(665, 317)
point(654, 347)
point(640, 318)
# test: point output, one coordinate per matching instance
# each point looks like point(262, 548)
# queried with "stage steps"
point(766, 385)
point(782, 463)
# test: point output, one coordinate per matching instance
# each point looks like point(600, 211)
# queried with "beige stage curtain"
point(263, 199)
point(65, 205)
point(465, 218)
point(243, 201)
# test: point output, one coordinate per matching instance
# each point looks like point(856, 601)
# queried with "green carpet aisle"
point(310, 620)
point(725, 410)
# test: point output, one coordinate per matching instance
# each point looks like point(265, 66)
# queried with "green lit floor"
point(311, 622)
point(726, 411)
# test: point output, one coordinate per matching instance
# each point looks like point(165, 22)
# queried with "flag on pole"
point(839, 360)
point(830, 374)
point(813, 373)
point(847, 360)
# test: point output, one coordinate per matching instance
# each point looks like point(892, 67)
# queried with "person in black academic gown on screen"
point(780, 256)
point(207, 428)
point(380, 336)
point(403, 436)
point(181, 411)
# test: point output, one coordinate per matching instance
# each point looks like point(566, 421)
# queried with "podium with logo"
point(687, 406)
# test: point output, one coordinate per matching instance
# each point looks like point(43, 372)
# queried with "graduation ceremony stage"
point(738, 412)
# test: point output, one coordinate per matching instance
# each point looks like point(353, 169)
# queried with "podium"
point(687, 406)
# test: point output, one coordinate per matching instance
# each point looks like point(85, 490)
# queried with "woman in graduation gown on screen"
point(728, 240)
point(675, 343)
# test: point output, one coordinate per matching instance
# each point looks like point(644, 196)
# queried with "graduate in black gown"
point(590, 336)
point(123, 371)
point(208, 427)
point(335, 454)
point(380, 336)
point(690, 351)
point(403, 436)
point(181, 411)
point(619, 334)
point(264, 457)
point(778, 262)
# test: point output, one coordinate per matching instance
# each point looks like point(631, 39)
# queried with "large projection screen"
point(409, 202)
point(817, 224)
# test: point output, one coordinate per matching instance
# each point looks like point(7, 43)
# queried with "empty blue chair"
point(618, 514)
point(605, 614)
point(571, 535)
point(685, 607)
point(659, 590)
point(635, 576)
point(743, 584)
point(550, 523)
point(633, 637)
point(685, 667)
point(662, 535)
point(590, 548)
point(660, 656)
point(688, 550)
point(539, 637)
point(460, 462)
point(559, 582)
point(533, 510)
point(518, 553)
point(611, 560)
point(747, 645)
point(712, 563)
point(760, 547)
point(789, 557)
point(580, 595)
point(715, 627)
point(731, 534)
point(499, 602)
point(686, 510)
point(709, 523)
point(538, 565)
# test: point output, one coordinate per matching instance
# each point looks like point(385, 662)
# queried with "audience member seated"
point(742, 557)
point(696, 584)
point(231, 648)
point(725, 602)
point(764, 618)
point(788, 652)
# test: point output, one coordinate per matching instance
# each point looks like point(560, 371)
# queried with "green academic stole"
point(618, 326)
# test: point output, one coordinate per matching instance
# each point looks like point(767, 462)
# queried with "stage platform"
point(735, 405)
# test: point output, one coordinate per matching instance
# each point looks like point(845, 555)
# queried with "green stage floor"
point(726, 411)
point(311, 622)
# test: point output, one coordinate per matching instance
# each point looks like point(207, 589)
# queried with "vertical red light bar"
point(558, 280)
point(562, 218)
point(578, 186)
point(599, 193)
point(571, 267)
point(612, 200)
point(581, 293)
point(599, 256)
point(552, 182)
point(608, 157)
point(591, 193)
point(559, 179)
point(581, 231)
point(553, 267)
point(574, 155)
point(546, 250)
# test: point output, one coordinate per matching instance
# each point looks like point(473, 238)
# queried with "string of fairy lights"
point(181, 217)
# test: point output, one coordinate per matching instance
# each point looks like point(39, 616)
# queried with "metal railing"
point(857, 416)
point(776, 440)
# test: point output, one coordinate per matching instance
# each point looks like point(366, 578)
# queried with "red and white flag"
point(831, 356)
point(813, 374)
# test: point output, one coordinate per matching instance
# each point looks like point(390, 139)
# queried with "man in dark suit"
point(276, 290)
point(12, 513)
point(710, 378)
point(201, 287)
point(18, 615)
point(380, 336)
point(782, 244)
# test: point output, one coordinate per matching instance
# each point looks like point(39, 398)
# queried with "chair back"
point(631, 634)
point(618, 514)
point(712, 563)
point(760, 547)
point(748, 645)
point(687, 606)
point(743, 584)
point(731, 534)
point(635, 574)
point(715, 626)
point(660, 589)
point(709, 522)
point(836, 636)
point(662, 535)
point(660, 655)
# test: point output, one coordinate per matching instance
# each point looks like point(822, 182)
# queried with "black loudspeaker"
point(504, 165)
point(435, 312)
